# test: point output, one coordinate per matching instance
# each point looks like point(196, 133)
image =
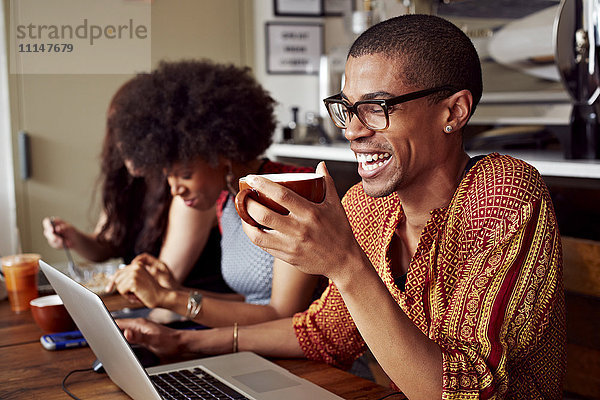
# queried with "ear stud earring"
point(448, 129)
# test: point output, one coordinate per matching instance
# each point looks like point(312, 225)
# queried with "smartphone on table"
point(63, 340)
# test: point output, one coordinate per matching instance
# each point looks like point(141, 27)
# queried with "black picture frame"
point(293, 48)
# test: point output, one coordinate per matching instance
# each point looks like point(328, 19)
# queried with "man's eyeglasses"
point(374, 114)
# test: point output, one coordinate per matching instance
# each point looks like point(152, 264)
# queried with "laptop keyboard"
point(193, 384)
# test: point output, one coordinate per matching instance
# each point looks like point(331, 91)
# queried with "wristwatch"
point(194, 305)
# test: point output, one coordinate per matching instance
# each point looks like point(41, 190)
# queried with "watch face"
point(197, 298)
point(194, 305)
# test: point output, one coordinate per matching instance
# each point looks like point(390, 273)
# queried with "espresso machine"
point(577, 41)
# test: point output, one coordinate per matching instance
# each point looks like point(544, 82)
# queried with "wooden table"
point(28, 371)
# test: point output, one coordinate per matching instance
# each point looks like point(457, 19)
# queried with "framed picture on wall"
point(298, 8)
point(293, 48)
point(337, 8)
point(312, 8)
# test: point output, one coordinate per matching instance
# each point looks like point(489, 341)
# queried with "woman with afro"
point(205, 125)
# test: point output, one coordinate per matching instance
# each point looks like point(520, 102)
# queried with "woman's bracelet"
point(235, 337)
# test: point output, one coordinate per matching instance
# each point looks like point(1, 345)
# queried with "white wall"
point(303, 90)
point(9, 243)
point(290, 90)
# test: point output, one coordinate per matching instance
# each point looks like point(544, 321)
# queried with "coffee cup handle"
point(240, 206)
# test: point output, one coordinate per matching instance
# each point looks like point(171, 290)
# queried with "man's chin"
point(376, 191)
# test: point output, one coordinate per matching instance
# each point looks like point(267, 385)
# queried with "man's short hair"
point(431, 51)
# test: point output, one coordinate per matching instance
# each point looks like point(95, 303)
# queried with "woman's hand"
point(180, 344)
point(60, 234)
point(162, 341)
point(158, 269)
point(143, 281)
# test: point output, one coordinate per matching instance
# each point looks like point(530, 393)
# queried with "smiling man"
point(447, 268)
point(452, 276)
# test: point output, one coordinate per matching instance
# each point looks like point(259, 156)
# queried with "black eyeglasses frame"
point(384, 103)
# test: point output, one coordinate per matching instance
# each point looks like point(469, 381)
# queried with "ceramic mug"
point(311, 186)
point(50, 314)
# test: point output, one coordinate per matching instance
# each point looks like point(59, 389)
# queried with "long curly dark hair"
point(136, 207)
point(194, 109)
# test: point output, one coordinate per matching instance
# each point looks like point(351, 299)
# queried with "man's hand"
point(316, 238)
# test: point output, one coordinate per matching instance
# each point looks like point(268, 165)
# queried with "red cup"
point(51, 315)
point(311, 186)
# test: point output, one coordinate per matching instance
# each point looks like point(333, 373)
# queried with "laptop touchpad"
point(265, 381)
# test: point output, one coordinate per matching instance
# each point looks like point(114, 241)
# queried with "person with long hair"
point(135, 219)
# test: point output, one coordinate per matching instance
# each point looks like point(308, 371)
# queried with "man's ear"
point(460, 105)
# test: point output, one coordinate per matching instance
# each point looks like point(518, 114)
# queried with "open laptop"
point(248, 374)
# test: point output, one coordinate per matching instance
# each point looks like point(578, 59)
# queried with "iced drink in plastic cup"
point(21, 276)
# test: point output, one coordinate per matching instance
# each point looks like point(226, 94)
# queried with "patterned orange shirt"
point(485, 284)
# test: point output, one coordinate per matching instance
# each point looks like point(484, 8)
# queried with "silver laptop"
point(245, 373)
